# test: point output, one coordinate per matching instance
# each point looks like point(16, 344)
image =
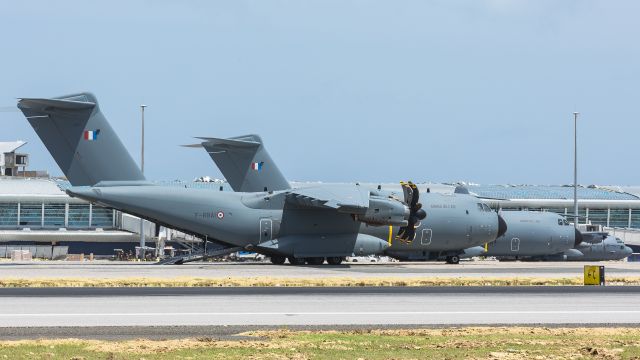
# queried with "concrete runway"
point(387, 306)
point(108, 269)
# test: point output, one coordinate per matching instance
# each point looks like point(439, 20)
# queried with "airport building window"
point(102, 217)
point(635, 218)
point(78, 216)
point(8, 215)
point(54, 215)
point(598, 216)
point(619, 218)
point(31, 214)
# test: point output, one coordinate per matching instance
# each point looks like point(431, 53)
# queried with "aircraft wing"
point(352, 199)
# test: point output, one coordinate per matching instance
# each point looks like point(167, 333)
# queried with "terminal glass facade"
point(102, 217)
point(30, 215)
point(54, 215)
point(620, 218)
point(78, 216)
point(635, 218)
point(8, 214)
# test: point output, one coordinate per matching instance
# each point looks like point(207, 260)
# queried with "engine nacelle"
point(385, 211)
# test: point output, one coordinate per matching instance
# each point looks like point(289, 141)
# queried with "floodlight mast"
point(142, 239)
point(575, 169)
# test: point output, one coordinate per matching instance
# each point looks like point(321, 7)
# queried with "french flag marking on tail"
point(91, 134)
point(257, 166)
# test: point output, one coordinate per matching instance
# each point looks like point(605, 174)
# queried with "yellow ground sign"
point(593, 275)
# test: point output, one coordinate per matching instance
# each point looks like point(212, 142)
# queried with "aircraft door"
point(515, 244)
point(425, 237)
point(266, 229)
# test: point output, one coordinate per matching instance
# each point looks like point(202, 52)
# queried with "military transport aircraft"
point(307, 224)
point(610, 248)
point(442, 227)
point(534, 234)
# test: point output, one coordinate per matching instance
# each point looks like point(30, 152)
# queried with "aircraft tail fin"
point(80, 139)
point(245, 163)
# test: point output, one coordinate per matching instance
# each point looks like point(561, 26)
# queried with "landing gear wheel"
point(334, 260)
point(315, 260)
point(295, 260)
point(453, 259)
point(278, 260)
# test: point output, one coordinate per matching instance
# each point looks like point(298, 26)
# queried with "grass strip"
point(451, 343)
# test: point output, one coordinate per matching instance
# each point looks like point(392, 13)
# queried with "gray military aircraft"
point(610, 248)
point(308, 224)
point(532, 234)
point(446, 223)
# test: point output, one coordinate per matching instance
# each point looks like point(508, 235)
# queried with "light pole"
point(142, 239)
point(575, 169)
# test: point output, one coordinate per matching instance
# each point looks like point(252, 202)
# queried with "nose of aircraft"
point(502, 226)
point(628, 251)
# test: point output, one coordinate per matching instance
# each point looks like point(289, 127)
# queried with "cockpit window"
point(563, 222)
point(480, 207)
point(619, 241)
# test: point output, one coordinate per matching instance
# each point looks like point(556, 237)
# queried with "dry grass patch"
point(304, 282)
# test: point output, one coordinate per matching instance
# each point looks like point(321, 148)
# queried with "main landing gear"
point(278, 260)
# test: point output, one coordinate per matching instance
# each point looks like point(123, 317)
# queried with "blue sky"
point(479, 91)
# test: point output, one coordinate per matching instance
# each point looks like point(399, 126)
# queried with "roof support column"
point(66, 215)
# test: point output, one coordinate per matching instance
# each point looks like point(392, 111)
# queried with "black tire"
point(295, 260)
point(334, 260)
point(315, 260)
point(278, 260)
point(455, 259)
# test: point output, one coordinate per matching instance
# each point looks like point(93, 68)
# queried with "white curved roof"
point(23, 189)
point(10, 146)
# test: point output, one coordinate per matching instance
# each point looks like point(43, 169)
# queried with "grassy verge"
point(456, 343)
point(304, 282)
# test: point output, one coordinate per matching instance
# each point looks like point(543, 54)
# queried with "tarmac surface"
point(46, 310)
point(111, 270)
point(123, 313)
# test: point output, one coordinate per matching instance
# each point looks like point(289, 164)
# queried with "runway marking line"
point(506, 312)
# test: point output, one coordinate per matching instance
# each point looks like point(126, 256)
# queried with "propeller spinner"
point(416, 213)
